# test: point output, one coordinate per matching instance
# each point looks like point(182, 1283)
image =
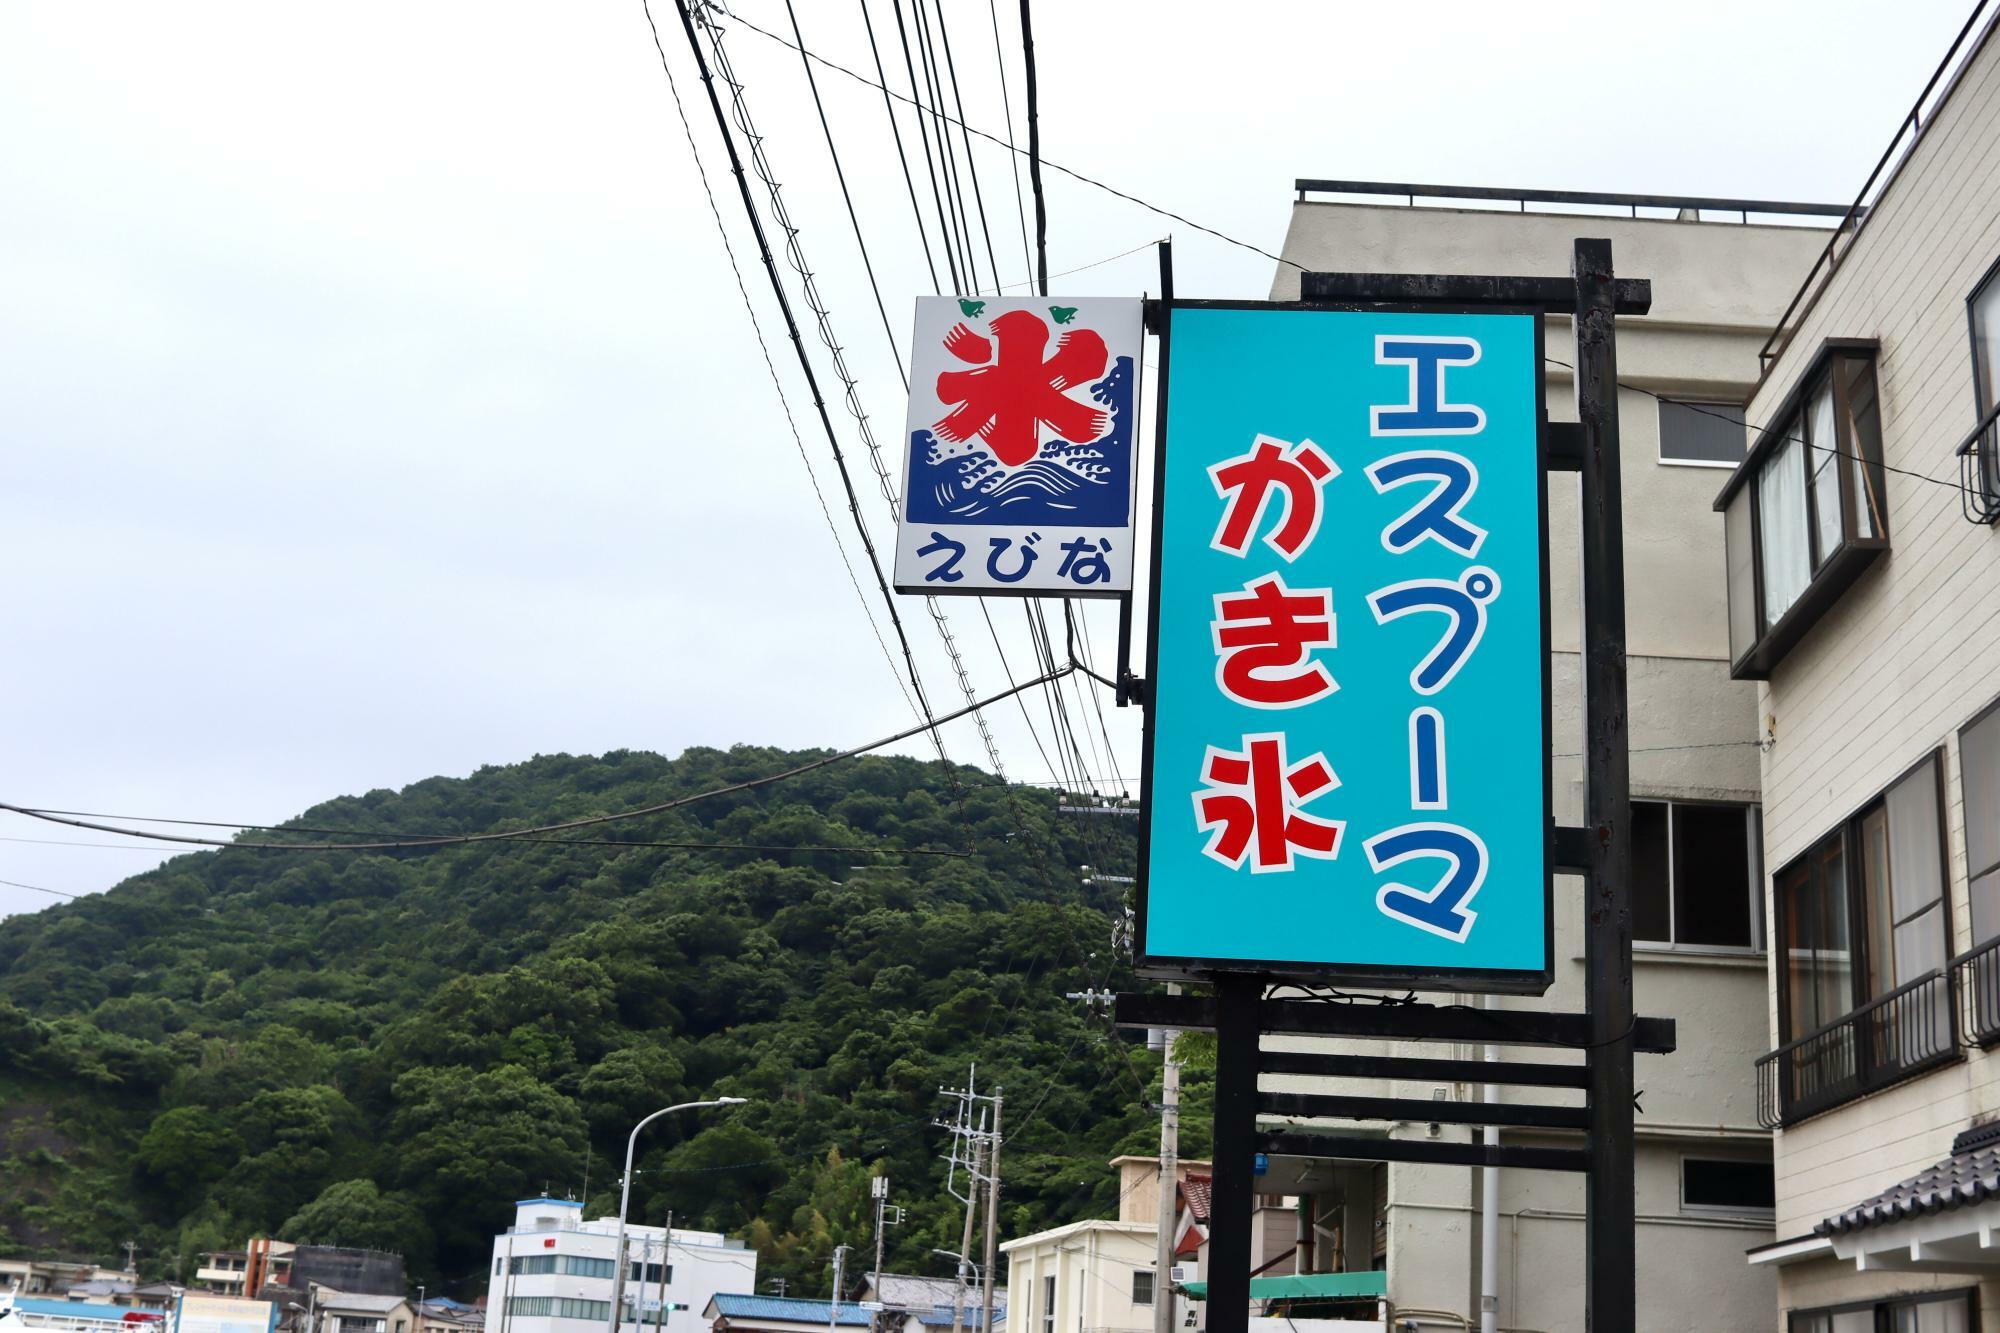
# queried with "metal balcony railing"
point(1885, 1041)
point(1979, 469)
point(1977, 972)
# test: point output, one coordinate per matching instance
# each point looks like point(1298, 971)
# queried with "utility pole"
point(1170, 1170)
point(992, 1221)
point(833, 1306)
point(965, 1245)
point(666, 1273)
point(639, 1304)
point(972, 1145)
point(879, 1188)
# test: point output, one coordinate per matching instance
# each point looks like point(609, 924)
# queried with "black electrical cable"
point(1013, 155)
point(947, 159)
point(971, 163)
point(909, 182)
point(854, 220)
point(589, 821)
point(1035, 151)
point(805, 364)
point(924, 138)
point(770, 367)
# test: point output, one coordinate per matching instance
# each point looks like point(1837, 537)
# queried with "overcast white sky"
point(377, 402)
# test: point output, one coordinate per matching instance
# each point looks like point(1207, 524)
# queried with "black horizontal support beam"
point(1442, 1112)
point(1592, 197)
point(1572, 850)
point(1510, 1073)
point(1404, 1022)
point(1631, 296)
point(1436, 1152)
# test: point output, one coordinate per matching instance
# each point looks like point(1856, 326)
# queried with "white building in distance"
point(552, 1273)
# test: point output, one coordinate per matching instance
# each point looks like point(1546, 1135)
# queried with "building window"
point(527, 1265)
point(1049, 1304)
point(1142, 1286)
point(1979, 455)
point(1979, 783)
point(1804, 514)
point(1864, 999)
point(1979, 787)
point(641, 1272)
point(1701, 434)
point(1926, 1312)
point(1695, 878)
point(1718, 1185)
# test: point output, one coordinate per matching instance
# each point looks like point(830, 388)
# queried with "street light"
point(625, 1200)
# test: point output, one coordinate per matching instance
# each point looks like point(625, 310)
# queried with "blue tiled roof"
point(794, 1309)
point(74, 1309)
point(940, 1316)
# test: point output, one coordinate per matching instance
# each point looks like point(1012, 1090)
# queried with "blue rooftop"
point(792, 1309)
point(940, 1316)
point(560, 1203)
point(74, 1309)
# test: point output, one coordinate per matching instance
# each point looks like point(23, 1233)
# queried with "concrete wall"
point(1092, 1263)
point(1908, 654)
point(1718, 288)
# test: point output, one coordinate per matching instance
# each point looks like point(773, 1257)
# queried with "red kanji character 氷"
point(1252, 803)
point(1264, 637)
point(1246, 481)
point(1007, 403)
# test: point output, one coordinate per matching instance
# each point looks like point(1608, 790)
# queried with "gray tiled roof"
point(1970, 1175)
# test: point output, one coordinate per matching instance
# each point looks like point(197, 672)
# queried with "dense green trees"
point(389, 1050)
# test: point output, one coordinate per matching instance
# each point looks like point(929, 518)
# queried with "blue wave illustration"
point(1086, 484)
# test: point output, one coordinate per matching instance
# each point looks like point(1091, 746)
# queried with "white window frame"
point(1753, 814)
point(1660, 440)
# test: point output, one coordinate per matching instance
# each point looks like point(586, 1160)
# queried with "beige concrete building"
point(1720, 281)
point(1095, 1276)
point(1865, 594)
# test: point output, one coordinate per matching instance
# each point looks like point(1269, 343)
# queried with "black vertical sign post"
point(1600, 850)
point(1238, 998)
point(1610, 1258)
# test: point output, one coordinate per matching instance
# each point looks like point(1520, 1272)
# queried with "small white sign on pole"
point(1019, 475)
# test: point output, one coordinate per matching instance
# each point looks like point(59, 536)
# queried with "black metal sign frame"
point(1608, 1032)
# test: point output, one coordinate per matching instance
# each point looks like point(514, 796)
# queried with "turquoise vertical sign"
point(1347, 744)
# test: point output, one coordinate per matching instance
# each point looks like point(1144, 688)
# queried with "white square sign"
point(1019, 474)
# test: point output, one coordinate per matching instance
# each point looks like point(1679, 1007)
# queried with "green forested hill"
point(388, 1050)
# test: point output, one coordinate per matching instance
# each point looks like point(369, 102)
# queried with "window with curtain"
point(1803, 517)
point(1781, 515)
point(1878, 879)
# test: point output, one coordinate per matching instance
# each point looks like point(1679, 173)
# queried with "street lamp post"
point(625, 1201)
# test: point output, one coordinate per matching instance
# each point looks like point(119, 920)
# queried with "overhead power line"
point(770, 367)
point(1206, 230)
point(805, 362)
point(515, 835)
point(1034, 152)
point(36, 888)
point(1071, 172)
point(795, 256)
